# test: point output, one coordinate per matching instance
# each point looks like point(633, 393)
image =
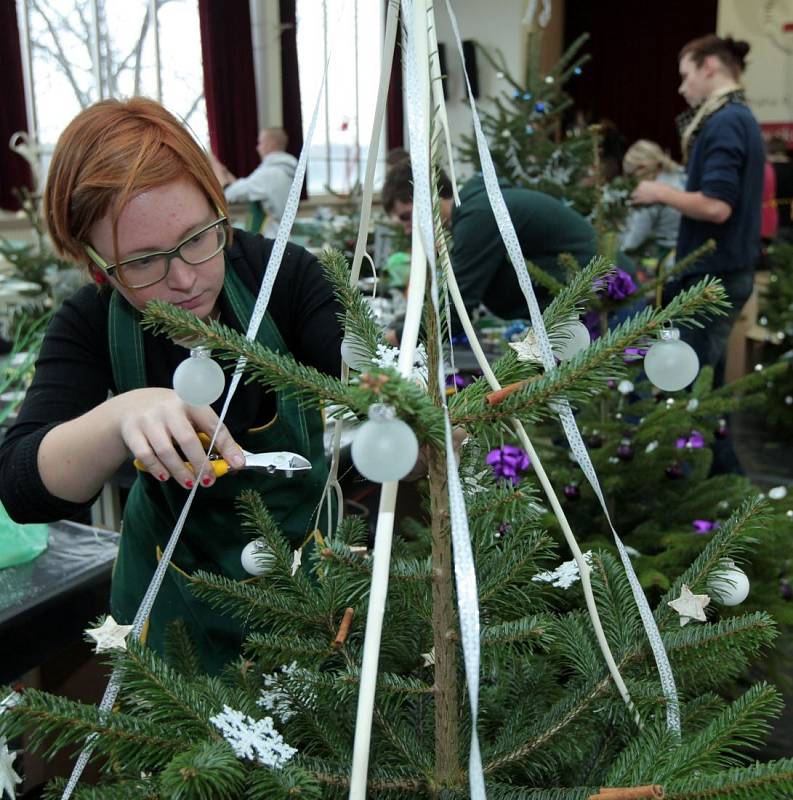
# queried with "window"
point(351, 32)
point(80, 51)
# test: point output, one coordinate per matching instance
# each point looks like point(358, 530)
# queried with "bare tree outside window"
point(84, 50)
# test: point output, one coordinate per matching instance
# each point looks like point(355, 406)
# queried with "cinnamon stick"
point(648, 792)
point(495, 397)
point(344, 628)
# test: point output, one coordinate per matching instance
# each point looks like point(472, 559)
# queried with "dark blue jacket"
point(727, 164)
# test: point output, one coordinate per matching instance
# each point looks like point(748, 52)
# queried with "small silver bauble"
point(671, 364)
point(384, 448)
point(730, 585)
point(256, 558)
point(355, 353)
point(199, 380)
point(570, 340)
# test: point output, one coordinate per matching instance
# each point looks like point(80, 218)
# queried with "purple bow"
point(508, 461)
point(618, 284)
point(694, 440)
point(704, 525)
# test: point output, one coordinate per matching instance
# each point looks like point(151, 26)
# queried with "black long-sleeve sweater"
point(74, 373)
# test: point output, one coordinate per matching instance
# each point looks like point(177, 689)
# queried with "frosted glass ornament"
point(571, 339)
point(355, 353)
point(199, 380)
point(256, 558)
point(730, 585)
point(384, 448)
point(671, 364)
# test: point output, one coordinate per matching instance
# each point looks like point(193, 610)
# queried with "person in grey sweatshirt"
point(268, 184)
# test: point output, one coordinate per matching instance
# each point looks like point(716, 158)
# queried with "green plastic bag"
point(20, 543)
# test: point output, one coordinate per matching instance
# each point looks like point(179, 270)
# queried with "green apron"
point(212, 538)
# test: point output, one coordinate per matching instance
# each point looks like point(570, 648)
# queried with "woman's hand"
point(154, 422)
point(76, 457)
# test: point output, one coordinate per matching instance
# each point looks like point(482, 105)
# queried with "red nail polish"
point(189, 484)
point(206, 481)
point(162, 477)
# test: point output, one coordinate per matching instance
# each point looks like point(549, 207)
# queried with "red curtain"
point(290, 78)
point(229, 83)
point(394, 112)
point(632, 78)
point(14, 170)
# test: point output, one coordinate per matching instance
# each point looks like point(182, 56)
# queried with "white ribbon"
point(507, 230)
point(464, 568)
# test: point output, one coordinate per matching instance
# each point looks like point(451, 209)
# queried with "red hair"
point(108, 154)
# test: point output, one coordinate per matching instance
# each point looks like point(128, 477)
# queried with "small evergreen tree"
point(279, 722)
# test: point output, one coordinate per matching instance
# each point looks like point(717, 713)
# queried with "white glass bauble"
point(570, 340)
point(256, 558)
point(671, 364)
point(199, 380)
point(354, 353)
point(384, 448)
point(730, 585)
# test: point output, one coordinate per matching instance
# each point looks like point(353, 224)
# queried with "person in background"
point(268, 185)
point(131, 196)
point(655, 224)
point(769, 215)
point(724, 155)
point(545, 226)
point(779, 156)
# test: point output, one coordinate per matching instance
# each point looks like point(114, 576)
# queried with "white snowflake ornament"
point(8, 777)
point(690, 606)
point(255, 740)
point(109, 635)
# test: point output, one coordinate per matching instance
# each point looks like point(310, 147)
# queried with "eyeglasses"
point(142, 271)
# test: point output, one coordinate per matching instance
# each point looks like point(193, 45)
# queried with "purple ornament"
point(572, 492)
point(674, 471)
point(721, 429)
point(704, 525)
point(785, 589)
point(611, 383)
point(508, 461)
point(632, 354)
point(695, 440)
point(595, 441)
point(503, 529)
point(625, 450)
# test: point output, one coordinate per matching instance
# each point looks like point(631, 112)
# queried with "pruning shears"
point(270, 463)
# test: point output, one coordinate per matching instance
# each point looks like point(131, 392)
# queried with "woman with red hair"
point(132, 196)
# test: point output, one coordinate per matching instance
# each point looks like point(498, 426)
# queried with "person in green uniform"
point(132, 196)
point(545, 227)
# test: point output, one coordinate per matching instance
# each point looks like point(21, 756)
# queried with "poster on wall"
point(768, 27)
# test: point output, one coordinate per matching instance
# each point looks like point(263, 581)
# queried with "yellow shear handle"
point(219, 465)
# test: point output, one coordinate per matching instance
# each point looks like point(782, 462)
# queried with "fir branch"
point(532, 631)
point(162, 695)
point(571, 301)
point(283, 373)
point(543, 278)
point(728, 541)
point(274, 649)
point(770, 781)
point(207, 771)
point(357, 318)
point(53, 723)
point(582, 376)
point(120, 789)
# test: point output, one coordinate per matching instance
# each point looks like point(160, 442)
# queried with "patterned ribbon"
point(464, 569)
point(507, 230)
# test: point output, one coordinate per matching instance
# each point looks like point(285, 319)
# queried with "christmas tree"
point(532, 143)
point(279, 722)
point(566, 704)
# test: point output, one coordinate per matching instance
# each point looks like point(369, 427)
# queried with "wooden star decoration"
point(109, 635)
point(528, 349)
point(8, 777)
point(690, 606)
